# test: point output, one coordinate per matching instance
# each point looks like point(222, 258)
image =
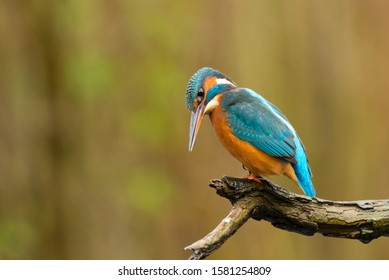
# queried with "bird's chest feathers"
point(257, 161)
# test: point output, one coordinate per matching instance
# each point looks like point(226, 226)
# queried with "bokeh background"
point(94, 160)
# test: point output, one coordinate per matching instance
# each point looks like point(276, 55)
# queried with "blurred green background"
point(94, 160)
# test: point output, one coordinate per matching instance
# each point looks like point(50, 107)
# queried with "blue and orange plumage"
point(251, 128)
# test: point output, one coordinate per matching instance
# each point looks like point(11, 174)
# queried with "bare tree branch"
point(364, 220)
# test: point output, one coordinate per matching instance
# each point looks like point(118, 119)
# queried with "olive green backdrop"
point(94, 160)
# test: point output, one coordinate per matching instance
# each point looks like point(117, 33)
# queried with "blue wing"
point(255, 120)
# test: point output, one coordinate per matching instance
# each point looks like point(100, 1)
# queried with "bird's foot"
point(251, 176)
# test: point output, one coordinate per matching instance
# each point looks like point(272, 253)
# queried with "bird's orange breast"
point(257, 161)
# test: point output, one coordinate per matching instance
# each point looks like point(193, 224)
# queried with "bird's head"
point(202, 88)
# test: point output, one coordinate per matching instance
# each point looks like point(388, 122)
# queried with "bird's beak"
point(195, 121)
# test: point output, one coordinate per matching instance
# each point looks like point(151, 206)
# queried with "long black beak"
point(195, 122)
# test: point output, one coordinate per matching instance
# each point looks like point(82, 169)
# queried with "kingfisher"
point(251, 128)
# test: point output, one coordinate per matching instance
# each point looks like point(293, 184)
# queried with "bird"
point(251, 128)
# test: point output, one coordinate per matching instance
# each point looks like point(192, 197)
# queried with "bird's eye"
point(200, 94)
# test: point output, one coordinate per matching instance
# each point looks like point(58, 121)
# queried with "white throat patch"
point(212, 105)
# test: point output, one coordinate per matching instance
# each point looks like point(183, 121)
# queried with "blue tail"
point(302, 170)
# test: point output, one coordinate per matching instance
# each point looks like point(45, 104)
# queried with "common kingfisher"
point(251, 128)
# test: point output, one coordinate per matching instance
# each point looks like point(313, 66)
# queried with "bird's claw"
point(251, 176)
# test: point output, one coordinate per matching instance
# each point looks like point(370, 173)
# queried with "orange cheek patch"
point(209, 82)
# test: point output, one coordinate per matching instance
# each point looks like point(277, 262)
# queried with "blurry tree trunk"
point(362, 220)
point(48, 44)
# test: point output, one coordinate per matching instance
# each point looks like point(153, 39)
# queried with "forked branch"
point(364, 220)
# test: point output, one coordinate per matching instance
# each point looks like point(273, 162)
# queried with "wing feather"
point(255, 120)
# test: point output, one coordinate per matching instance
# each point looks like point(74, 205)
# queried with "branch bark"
point(363, 220)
